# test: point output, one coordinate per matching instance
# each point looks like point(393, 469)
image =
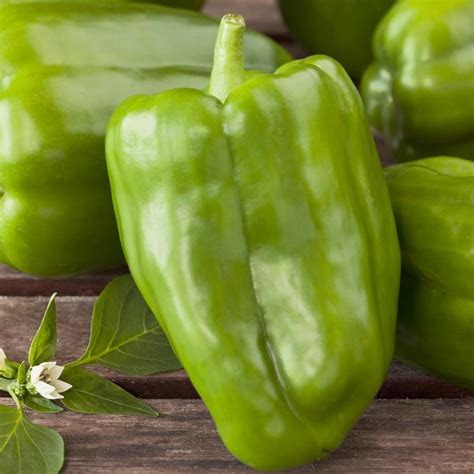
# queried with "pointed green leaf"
point(21, 374)
point(27, 448)
point(125, 336)
point(41, 404)
point(91, 393)
point(43, 346)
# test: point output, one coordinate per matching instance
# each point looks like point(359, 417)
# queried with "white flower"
point(3, 358)
point(45, 379)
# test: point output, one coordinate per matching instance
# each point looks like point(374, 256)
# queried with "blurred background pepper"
point(419, 92)
point(64, 67)
point(433, 202)
point(339, 28)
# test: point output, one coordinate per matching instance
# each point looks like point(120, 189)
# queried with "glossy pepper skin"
point(341, 29)
point(64, 68)
point(265, 246)
point(419, 92)
point(433, 202)
point(188, 4)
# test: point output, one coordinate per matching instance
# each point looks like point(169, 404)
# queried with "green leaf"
point(43, 346)
point(21, 375)
point(27, 448)
point(5, 383)
point(91, 393)
point(125, 335)
point(40, 404)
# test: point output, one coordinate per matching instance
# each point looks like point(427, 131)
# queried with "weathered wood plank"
point(20, 316)
point(393, 436)
point(14, 283)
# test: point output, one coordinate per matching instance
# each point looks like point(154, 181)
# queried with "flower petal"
point(35, 374)
point(61, 386)
point(53, 396)
point(3, 358)
point(55, 372)
point(47, 365)
point(45, 390)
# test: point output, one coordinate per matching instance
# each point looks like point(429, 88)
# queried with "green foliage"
point(27, 448)
point(125, 336)
point(92, 393)
point(43, 346)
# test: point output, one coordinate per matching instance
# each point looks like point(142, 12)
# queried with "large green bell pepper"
point(63, 70)
point(190, 4)
point(419, 92)
point(433, 201)
point(265, 245)
point(340, 28)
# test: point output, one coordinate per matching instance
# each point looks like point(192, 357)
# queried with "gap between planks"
point(20, 317)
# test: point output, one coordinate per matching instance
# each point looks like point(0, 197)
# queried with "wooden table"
point(416, 424)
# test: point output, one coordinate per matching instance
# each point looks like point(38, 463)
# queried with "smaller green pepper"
point(339, 28)
point(433, 202)
point(64, 68)
point(419, 92)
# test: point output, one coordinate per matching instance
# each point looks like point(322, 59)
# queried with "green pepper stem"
point(228, 69)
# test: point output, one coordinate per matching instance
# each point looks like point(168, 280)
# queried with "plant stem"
point(17, 400)
point(228, 69)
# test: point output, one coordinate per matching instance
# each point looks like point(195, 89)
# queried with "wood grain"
point(20, 316)
point(393, 436)
point(14, 283)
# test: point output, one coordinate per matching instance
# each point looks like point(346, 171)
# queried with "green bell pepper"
point(265, 245)
point(188, 4)
point(419, 92)
point(63, 70)
point(339, 28)
point(433, 201)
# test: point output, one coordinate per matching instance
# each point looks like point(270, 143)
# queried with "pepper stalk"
point(228, 68)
